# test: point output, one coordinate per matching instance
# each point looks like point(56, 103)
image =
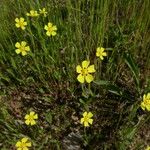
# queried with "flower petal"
point(17, 25)
point(24, 140)
point(17, 45)
point(89, 78)
point(25, 23)
point(54, 28)
point(21, 19)
point(78, 69)
point(80, 78)
point(17, 51)
point(85, 64)
point(48, 33)
point(27, 48)
point(33, 122)
point(27, 122)
point(100, 49)
point(86, 124)
point(90, 121)
point(28, 144)
point(101, 57)
point(35, 116)
point(148, 96)
point(143, 105)
point(148, 107)
point(32, 113)
point(104, 54)
point(46, 27)
point(144, 97)
point(24, 53)
point(97, 54)
point(18, 144)
point(26, 116)
point(23, 43)
point(25, 148)
point(22, 27)
point(17, 20)
point(90, 115)
point(50, 24)
point(53, 33)
point(82, 120)
point(85, 114)
point(91, 69)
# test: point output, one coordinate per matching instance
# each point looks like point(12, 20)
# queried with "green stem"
point(85, 136)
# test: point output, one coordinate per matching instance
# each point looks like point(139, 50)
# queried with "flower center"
point(147, 102)
point(84, 72)
point(22, 48)
point(100, 53)
point(21, 23)
point(23, 145)
point(30, 118)
point(86, 119)
point(50, 29)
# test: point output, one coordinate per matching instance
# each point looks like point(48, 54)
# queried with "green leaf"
point(102, 82)
point(129, 133)
point(81, 101)
point(48, 117)
point(133, 67)
point(110, 87)
point(13, 63)
point(4, 77)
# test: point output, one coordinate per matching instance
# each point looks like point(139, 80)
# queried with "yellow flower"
point(32, 13)
point(100, 52)
point(20, 23)
point(23, 144)
point(43, 11)
point(87, 119)
point(51, 29)
point(30, 118)
point(84, 72)
point(22, 48)
point(148, 148)
point(145, 104)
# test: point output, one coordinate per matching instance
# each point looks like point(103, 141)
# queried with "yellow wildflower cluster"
point(85, 74)
point(34, 13)
point(85, 70)
point(23, 144)
point(21, 23)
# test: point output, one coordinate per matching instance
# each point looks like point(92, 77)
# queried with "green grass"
point(45, 80)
